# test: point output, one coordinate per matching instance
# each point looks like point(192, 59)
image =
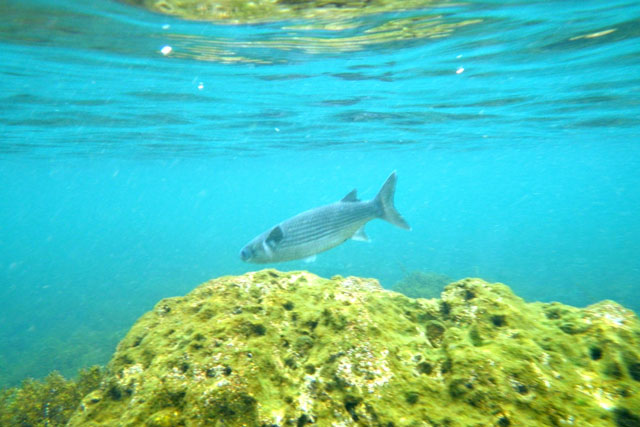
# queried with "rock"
point(291, 349)
point(421, 284)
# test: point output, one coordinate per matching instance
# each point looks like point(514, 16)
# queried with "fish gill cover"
point(274, 349)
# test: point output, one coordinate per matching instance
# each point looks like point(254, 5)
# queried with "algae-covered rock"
point(291, 349)
point(422, 284)
point(49, 402)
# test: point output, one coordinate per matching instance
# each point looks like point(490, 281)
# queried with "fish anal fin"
point(274, 237)
point(310, 259)
point(351, 197)
point(360, 235)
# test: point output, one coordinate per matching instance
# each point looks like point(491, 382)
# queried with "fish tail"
point(384, 201)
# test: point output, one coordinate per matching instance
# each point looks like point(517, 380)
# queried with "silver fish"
point(323, 228)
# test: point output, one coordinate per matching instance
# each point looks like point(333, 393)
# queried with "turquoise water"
point(128, 175)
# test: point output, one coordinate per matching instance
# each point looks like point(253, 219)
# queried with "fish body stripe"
point(316, 225)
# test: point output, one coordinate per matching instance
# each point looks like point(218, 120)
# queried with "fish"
point(323, 228)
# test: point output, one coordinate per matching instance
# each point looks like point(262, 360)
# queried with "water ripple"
point(100, 78)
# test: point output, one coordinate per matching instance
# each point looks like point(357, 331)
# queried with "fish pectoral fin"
point(351, 197)
point(360, 235)
point(310, 259)
point(274, 237)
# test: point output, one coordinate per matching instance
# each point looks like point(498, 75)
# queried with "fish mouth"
point(245, 254)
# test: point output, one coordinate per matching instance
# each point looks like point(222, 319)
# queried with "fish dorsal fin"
point(274, 237)
point(351, 197)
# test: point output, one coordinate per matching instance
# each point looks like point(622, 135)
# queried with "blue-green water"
point(127, 175)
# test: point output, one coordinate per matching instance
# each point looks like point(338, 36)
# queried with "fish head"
point(246, 253)
point(262, 248)
point(256, 252)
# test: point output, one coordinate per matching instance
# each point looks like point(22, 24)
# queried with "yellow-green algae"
point(279, 349)
point(422, 284)
point(49, 402)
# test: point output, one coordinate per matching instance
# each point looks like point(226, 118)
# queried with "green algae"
point(49, 402)
point(421, 284)
point(271, 348)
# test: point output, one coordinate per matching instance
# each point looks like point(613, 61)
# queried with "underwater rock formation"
point(422, 284)
point(49, 402)
point(279, 349)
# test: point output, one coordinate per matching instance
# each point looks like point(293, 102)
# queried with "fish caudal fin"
point(384, 200)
